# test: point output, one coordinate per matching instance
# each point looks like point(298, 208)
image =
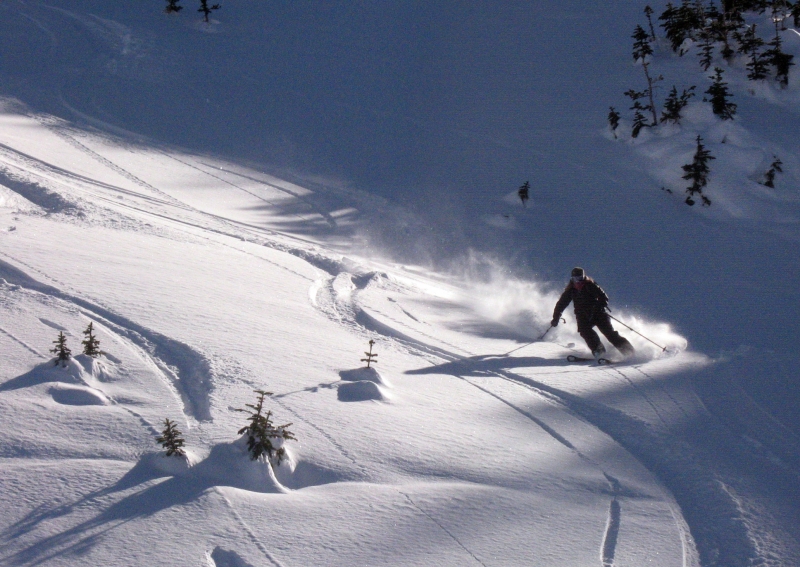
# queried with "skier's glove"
point(554, 322)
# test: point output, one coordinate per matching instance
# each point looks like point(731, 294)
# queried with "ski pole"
point(536, 341)
point(663, 349)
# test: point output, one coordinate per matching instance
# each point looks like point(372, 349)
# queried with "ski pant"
point(603, 323)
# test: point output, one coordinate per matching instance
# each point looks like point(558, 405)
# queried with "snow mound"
point(361, 391)
point(70, 373)
point(172, 465)
point(364, 374)
point(78, 396)
point(224, 558)
point(229, 464)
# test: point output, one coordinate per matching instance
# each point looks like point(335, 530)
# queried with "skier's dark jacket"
point(589, 301)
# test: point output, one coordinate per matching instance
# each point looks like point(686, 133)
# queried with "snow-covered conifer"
point(718, 93)
point(171, 439)
point(261, 431)
point(675, 103)
point(524, 195)
point(769, 176)
point(206, 10)
point(706, 54)
point(641, 52)
point(613, 120)
point(778, 59)
point(62, 352)
point(697, 172)
point(750, 45)
point(91, 346)
point(639, 119)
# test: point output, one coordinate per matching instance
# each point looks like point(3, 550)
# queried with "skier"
point(590, 310)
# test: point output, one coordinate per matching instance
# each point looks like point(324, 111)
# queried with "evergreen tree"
point(718, 91)
point(173, 7)
point(750, 44)
point(524, 195)
point(706, 54)
point(697, 172)
point(641, 52)
point(769, 176)
point(62, 352)
point(91, 346)
point(613, 120)
point(778, 59)
point(675, 103)
point(206, 10)
point(648, 12)
point(371, 357)
point(676, 27)
point(725, 25)
point(171, 439)
point(261, 431)
point(639, 120)
point(794, 12)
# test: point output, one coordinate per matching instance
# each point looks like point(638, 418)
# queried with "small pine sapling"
point(371, 357)
point(171, 439)
point(261, 431)
point(173, 7)
point(723, 24)
point(91, 346)
point(524, 195)
point(62, 352)
point(639, 120)
point(750, 44)
point(613, 120)
point(697, 172)
point(675, 103)
point(206, 10)
point(718, 93)
point(769, 176)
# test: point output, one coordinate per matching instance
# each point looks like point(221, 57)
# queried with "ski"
point(600, 361)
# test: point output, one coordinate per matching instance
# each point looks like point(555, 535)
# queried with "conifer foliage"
point(524, 195)
point(769, 176)
point(62, 352)
point(91, 346)
point(261, 431)
point(173, 7)
point(371, 356)
point(697, 172)
point(718, 96)
point(171, 439)
point(675, 103)
point(613, 120)
point(206, 10)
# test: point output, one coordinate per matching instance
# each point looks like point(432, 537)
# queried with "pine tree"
point(524, 195)
point(674, 104)
point(91, 346)
point(173, 7)
point(677, 24)
point(613, 120)
point(206, 10)
point(697, 172)
point(261, 431)
point(371, 357)
point(171, 439)
point(718, 91)
point(641, 52)
point(62, 352)
point(794, 12)
point(749, 44)
point(706, 48)
point(639, 120)
point(648, 12)
point(769, 176)
point(778, 59)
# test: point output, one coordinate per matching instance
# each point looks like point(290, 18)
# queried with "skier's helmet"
point(578, 273)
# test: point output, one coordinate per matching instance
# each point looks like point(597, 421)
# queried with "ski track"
point(251, 536)
point(186, 370)
point(26, 346)
point(443, 528)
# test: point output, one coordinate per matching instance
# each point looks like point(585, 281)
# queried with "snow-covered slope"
point(237, 207)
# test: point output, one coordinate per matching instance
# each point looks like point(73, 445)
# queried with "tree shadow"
point(480, 365)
